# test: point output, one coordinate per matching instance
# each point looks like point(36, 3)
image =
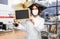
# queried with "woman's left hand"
point(31, 20)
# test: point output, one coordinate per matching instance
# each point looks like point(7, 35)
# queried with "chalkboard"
point(22, 14)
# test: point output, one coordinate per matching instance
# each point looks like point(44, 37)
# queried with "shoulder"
point(42, 19)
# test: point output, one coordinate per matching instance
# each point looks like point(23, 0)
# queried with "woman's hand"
point(31, 20)
point(16, 23)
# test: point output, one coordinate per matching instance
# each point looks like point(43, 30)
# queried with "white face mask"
point(34, 12)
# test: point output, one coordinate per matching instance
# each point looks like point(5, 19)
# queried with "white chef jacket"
point(33, 30)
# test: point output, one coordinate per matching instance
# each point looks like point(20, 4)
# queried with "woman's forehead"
point(34, 7)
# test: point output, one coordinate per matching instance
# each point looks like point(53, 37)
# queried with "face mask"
point(34, 12)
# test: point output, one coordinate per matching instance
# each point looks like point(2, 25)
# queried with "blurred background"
point(51, 14)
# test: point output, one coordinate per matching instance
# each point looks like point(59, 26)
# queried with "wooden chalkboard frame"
point(22, 9)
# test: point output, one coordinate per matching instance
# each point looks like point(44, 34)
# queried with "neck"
point(35, 16)
point(26, 0)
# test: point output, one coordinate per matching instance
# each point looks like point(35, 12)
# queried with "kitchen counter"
point(12, 34)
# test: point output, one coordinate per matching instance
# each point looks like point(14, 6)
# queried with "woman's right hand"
point(16, 23)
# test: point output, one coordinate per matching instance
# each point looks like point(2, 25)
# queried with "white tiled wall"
point(6, 20)
point(5, 10)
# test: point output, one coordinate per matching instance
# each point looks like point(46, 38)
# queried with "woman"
point(35, 25)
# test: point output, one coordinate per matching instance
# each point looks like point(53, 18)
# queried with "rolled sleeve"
point(41, 26)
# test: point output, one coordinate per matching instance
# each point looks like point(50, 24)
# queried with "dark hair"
point(37, 5)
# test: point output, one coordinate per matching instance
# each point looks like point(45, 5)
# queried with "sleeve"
point(41, 26)
point(22, 26)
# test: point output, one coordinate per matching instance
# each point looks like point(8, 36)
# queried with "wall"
point(5, 13)
point(4, 2)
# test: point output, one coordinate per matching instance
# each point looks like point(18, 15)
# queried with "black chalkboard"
point(22, 14)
